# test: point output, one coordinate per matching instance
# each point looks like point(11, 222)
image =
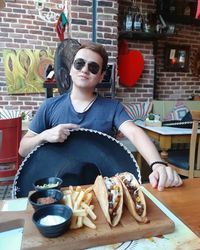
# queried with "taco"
point(133, 196)
point(109, 193)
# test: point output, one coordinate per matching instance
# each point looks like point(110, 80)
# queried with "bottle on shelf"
point(158, 26)
point(181, 58)
point(128, 21)
point(152, 18)
point(147, 24)
point(138, 21)
point(187, 10)
point(124, 21)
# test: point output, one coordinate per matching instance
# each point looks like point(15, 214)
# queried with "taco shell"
point(102, 195)
point(129, 202)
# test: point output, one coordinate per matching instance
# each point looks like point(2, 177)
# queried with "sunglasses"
point(93, 67)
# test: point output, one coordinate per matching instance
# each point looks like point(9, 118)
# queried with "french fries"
point(79, 199)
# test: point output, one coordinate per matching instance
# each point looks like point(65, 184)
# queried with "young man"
point(83, 108)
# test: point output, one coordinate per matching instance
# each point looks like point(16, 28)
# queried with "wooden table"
point(167, 136)
point(183, 201)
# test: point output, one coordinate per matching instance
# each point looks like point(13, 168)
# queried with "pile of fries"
point(79, 199)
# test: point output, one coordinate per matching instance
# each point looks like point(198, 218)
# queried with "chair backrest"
point(0, 138)
point(194, 156)
point(11, 136)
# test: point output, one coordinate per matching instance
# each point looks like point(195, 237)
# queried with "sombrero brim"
point(85, 151)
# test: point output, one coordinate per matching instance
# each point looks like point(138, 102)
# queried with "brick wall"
point(169, 85)
point(144, 88)
point(21, 28)
point(179, 85)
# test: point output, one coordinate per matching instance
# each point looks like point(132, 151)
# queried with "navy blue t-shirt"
point(104, 115)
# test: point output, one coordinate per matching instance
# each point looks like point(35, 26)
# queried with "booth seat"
point(166, 109)
point(26, 115)
point(137, 111)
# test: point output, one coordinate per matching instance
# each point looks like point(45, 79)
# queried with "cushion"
point(187, 117)
point(6, 113)
point(179, 158)
point(11, 113)
point(177, 113)
point(138, 111)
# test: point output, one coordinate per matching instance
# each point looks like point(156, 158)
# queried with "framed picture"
point(177, 57)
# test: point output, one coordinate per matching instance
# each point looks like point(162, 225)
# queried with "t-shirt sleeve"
point(121, 116)
point(40, 119)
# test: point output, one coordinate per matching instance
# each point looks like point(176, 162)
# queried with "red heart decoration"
point(130, 67)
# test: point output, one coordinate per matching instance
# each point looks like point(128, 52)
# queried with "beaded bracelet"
point(158, 162)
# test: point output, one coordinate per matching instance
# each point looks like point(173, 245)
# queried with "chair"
point(187, 162)
point(9, 157)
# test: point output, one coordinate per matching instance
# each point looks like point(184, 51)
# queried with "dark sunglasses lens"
point(79, 64)
point(93, 67)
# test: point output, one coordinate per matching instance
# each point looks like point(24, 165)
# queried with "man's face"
point(86, 70)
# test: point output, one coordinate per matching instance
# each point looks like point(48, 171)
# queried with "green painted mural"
point(25, 69)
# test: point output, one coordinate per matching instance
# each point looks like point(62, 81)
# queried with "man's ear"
point(102, 76)
point(70, 71)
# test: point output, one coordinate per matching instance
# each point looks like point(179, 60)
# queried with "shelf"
point(178, 19)
point(145, 36)
point(178, 11)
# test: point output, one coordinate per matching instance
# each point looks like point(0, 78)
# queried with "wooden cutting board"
point(128, 229)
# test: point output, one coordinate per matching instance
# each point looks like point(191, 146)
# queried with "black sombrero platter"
point(85, 154)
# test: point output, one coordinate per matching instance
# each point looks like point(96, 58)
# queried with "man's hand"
point(58, 133)
point(163, 176)
point(52, 135)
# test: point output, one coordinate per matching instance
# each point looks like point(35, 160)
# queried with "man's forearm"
point(28, 143)
point(146, 148)
point(143, 143)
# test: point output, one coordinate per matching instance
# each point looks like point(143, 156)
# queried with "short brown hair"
point(99, 49)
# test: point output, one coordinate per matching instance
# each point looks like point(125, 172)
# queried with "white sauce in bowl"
point(51, 220)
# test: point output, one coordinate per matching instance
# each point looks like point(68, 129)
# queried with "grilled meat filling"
point(113, 196)
point(139, 207)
